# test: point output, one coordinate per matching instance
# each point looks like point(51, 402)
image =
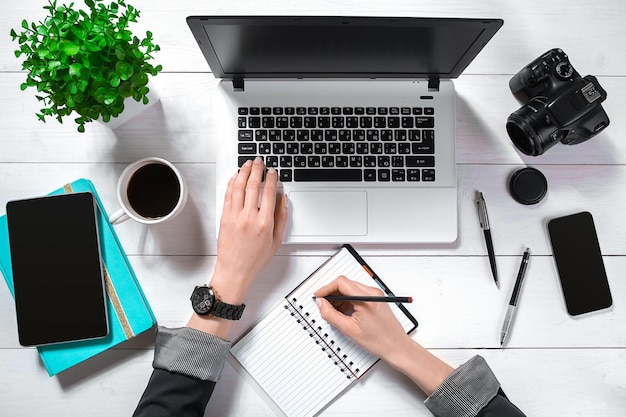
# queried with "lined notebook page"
point(298, 360)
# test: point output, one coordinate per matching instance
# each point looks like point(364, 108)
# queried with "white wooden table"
point(553, 365)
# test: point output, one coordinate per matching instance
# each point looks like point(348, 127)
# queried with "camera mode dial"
point(564, 70)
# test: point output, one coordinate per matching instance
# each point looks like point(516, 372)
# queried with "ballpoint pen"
point(365, 298)
point(484, 224)
point(510, 311)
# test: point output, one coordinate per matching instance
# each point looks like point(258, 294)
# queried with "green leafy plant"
point(87, 62)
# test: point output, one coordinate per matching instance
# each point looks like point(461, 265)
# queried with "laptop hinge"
point(433, 83)
point(238, 84)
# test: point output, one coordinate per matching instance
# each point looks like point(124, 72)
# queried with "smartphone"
point(57, 270)
point(579, 263)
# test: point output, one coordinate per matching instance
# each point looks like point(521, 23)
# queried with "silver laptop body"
point(357, 115)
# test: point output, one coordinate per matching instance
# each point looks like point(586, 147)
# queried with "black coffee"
point(153, 190)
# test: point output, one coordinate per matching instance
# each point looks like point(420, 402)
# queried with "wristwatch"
point(205, 301)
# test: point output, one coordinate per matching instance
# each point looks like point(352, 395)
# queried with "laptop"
point(357, 114)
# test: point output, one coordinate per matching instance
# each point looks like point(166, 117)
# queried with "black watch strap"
point(228, 311)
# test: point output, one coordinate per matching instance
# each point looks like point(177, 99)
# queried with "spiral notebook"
point(298, 361)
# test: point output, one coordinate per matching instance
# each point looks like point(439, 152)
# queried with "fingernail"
point(248, 163)
point(271, 170)
point(286, 201)
point(318, 301)
point(234, 175)
point(258, 160)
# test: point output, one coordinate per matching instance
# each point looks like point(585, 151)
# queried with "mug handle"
point(118, 217)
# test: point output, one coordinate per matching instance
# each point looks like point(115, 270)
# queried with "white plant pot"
point(132, 108)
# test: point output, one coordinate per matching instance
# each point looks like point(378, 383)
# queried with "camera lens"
point(530, 129)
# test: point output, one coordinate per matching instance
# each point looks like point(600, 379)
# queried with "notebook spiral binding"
point(321, 338)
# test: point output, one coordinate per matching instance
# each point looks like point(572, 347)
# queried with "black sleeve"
point(170, 394)
point(500, 406)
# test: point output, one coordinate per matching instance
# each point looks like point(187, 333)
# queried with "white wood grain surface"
point(553, 365)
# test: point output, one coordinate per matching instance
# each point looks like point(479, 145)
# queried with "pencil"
point(371, 299)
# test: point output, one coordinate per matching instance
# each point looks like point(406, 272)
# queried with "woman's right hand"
point(372, 326)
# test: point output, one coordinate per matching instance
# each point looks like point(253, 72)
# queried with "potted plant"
point(86, 61)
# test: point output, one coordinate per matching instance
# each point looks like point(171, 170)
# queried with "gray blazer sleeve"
point(187, 364)
point(471, 390)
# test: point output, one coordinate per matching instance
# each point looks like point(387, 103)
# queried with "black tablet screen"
point(57, 273)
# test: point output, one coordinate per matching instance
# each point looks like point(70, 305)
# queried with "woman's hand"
point(251, 230)
point(372, 326)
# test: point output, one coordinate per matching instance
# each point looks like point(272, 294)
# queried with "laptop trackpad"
point(328, 213)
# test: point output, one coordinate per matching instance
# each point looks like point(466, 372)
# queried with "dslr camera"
point(561, 106)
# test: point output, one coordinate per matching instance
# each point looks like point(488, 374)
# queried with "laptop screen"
point(355, 47)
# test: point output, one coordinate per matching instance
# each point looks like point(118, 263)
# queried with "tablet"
point(57, 271)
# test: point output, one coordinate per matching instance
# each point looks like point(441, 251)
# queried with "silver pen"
point(510, 311)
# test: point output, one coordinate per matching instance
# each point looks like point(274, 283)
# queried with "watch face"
point(202, 300)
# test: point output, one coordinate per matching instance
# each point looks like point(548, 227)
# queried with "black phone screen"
point(57, 272)
point(579, 263)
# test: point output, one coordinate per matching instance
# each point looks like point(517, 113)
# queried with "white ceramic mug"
point(153, 198)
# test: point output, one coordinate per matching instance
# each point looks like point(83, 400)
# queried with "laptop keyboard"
point(385, 144)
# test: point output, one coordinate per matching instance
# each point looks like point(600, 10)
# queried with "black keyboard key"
point(243, 111)
point(242, 159)
point(338, 122)
point(345, 135)
point(414, 135)
point(274, 135)
point(313, 161)
point(310, 122)
point(369, 161)
point(420, 161)
point(299, 161)
point(397, 161)
point(330, 135)
point(341, 161)
point(347, 111)
point(245, 135)
point(429, 111)
point(428, 134)
point(277, 111)
point(398, 175)
point(282, 122)
point(322, 174)
point(286, 161)
point(306, 148)
point(384, 175)
point(423, 148)
point(260, 135)
point(334, 148)
point(369, 175)
point(265, 148)
point(323, 122)
point(328, 161)
point(285, 175)
point(424, 122)
point(246, 148)
point(271, 161)
point(407, 122)
point(301, 111)
point(356, 161)
point(242, 122)
point(413, 175)
point(428, 175)
point(371, 111)
point(417, 111)
point(255, 111)
point(359, 110)
point(254, 122)
point(317, 135)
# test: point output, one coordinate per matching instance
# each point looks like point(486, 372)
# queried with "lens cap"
point(528, 186)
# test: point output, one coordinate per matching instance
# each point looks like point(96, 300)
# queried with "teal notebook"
point(129, 311)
